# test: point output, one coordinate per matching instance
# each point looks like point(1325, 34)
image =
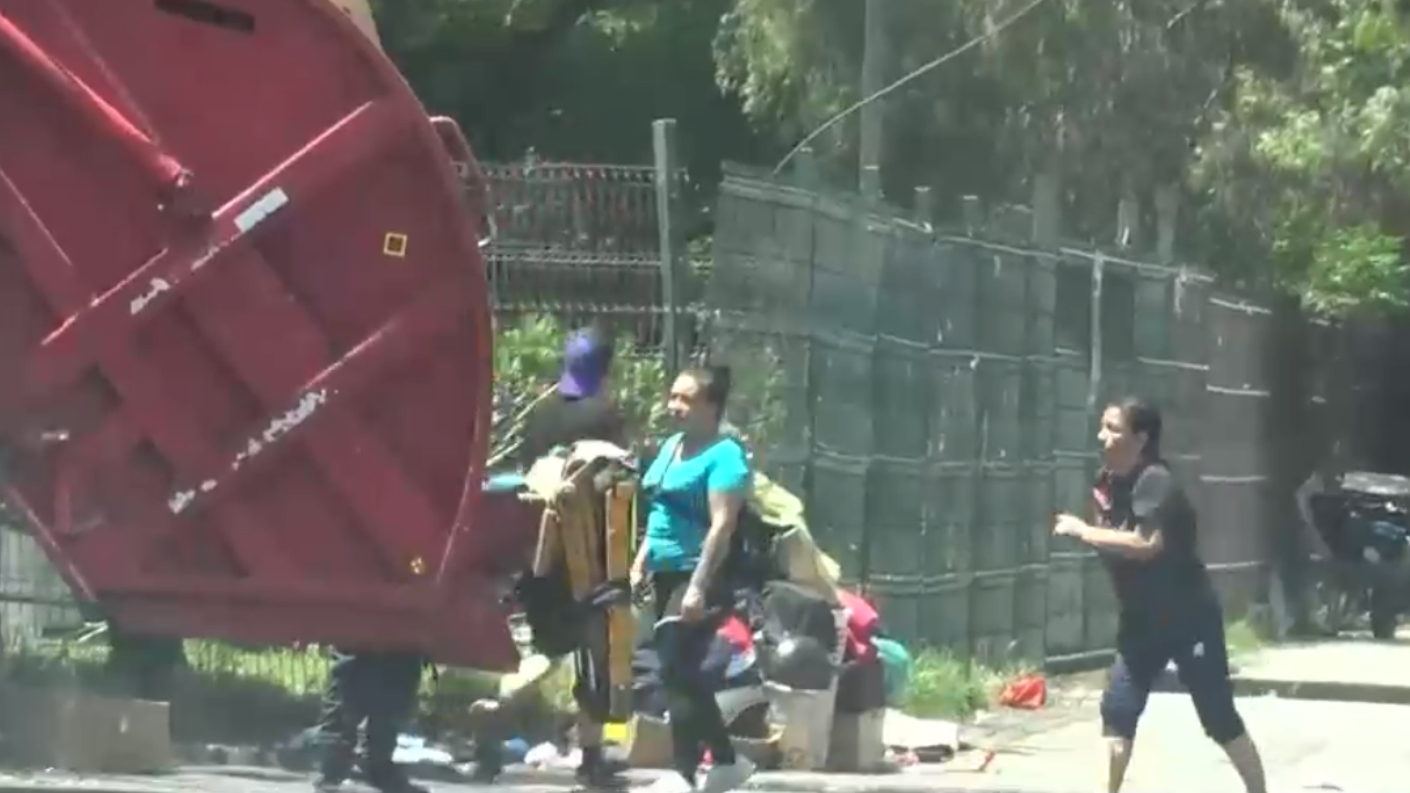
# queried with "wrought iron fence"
point(578, 242)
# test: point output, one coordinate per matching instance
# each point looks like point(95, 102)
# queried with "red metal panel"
point(277, 406)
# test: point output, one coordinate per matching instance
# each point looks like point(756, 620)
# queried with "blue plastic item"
point(515, 750)
point(505, 482)
point(896, 667)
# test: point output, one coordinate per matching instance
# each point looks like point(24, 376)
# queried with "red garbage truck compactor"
point(244, 330)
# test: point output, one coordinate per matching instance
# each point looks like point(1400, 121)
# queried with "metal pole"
point(873, 80)
point(667, 203)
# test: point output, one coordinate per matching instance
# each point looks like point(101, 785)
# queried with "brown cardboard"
point(75, 731)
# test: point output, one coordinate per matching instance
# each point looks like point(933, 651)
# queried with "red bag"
point(862, 625)
point(1025, 693)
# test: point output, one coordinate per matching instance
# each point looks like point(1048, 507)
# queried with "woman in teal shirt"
point(696, 486)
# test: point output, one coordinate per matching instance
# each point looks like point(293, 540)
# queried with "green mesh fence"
point(935, 400)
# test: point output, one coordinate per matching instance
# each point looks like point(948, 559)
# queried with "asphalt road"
point(1307, 745)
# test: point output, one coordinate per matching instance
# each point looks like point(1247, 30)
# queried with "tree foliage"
point(1281, 120)
point(1316, 162)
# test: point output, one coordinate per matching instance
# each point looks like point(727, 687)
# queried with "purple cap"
point(585, 364)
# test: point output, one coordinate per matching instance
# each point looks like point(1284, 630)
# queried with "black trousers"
point(378, 688)
point(1195, 642)
point(696, 720)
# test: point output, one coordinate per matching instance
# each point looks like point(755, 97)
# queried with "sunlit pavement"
point(1351, 747)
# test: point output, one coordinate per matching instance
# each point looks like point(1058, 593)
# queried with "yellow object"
point(621, 623)
point(617, 732)
point(798, 554)
point(588, 523)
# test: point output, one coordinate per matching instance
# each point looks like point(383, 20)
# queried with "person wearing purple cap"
point(581, 409)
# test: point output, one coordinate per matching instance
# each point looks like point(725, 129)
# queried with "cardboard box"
point(71, 730)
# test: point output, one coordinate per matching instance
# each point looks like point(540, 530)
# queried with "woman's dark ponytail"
point(715, 383)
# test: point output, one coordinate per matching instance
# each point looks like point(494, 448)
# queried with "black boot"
point(397, 677)
point(336, 736)
point(489, 759)
point(597, 771)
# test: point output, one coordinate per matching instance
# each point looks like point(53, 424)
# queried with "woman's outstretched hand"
point(1069, 526)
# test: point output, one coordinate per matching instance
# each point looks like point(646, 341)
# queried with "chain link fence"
point(933, 394)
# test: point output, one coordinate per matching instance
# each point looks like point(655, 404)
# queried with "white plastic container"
point(805, 717)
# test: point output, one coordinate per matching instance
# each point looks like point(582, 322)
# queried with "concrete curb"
point(770, 781)
point(1251, 685)
point(1323, 690)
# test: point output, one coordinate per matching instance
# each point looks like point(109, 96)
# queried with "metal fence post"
point(663, 141)
point(924, 207)
point(874, 63)
point(1167, 212)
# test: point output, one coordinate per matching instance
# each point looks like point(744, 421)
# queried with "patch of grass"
point(301, 672)
point(946, 686)
point(1243, 637)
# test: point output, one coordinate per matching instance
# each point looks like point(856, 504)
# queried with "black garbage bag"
point(793, 610)
point(861, 686)
point(801, 663)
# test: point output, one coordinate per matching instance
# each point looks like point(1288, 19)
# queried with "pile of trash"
point(808, 679)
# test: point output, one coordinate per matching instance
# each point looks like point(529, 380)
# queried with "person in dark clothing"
point(144, 666)
point(581, 409)
point(1297, 571)
point(380, 689)
point(695, 488)
point(1145, 533)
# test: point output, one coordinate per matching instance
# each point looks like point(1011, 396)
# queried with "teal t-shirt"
point(678, 515)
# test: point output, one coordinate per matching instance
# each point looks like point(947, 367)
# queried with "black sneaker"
point(604, 774)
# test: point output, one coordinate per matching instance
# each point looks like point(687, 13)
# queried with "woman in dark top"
point(1145, 533)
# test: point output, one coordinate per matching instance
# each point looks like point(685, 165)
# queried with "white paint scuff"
point(279, 426)
point(282, 425)
point(259, 211)
point(154, 289)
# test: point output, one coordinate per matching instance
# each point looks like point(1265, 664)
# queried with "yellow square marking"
point(394, 245)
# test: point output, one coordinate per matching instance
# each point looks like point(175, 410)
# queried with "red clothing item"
point(862, 625)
